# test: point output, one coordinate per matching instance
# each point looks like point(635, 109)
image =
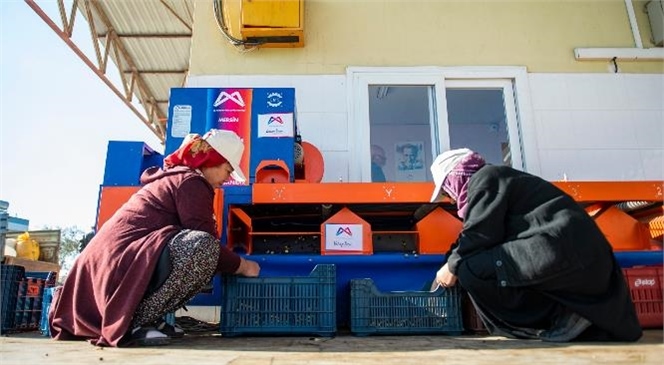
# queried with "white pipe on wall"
point(632, 22)
point(625, 54)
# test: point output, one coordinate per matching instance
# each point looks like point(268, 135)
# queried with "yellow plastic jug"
point(26, 247)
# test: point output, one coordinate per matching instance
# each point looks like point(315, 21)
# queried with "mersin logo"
point(234, 97)
point(274, 119)
point(345, 230)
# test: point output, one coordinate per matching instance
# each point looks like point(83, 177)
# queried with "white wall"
point(588, 126)
point(599, 126)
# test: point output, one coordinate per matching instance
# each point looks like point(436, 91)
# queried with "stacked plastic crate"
point(646, 284)
point(22, 295)
point(4, 222)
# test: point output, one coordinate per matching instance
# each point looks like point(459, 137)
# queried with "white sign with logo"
point(343, 237)
point(275, 125)
point(181, 121)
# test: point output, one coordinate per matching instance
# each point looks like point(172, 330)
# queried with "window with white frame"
point(404, 117)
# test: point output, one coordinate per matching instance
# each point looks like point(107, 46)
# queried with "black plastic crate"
point(404, 312)
point(10, 277)
point(280, 305)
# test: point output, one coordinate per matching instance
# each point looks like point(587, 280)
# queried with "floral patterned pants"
point(193, 256)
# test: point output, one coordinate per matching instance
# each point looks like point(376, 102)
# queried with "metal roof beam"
point(148, 35)
point(155, 118)
point(175, 14)
point(159, 72)
point(122, 56)
point(131, 77)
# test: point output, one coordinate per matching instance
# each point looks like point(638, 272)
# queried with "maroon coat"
point(109, 278)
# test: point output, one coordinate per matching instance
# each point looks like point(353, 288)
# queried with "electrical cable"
point(221, 24)
point(615, 64)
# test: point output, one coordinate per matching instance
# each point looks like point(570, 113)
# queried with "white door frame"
point(523, 140)
point(514, 133)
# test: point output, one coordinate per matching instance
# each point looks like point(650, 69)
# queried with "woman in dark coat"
point(534, 263)
point(156, 252)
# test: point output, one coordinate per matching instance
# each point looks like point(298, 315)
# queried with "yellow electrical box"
point(271, 13)
point(273, 23)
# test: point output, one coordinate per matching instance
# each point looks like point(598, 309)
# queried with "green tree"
point(70, 238)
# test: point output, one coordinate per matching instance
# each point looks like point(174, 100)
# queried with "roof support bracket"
point(153, 117)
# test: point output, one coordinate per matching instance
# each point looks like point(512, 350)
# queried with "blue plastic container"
point(9, 279)
point(44, 328)
point(404, 313)
point(280, 305)
point(22, 296)
point(28, 313)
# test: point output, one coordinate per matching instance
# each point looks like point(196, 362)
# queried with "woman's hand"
point(445, 278)
point(248, 268)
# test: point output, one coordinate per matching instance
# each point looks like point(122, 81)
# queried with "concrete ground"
point(212, 348)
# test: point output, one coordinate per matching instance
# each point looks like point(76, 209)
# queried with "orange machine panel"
point(438, 231)
point(344, 193)
point(272, 171)
point(345, 218)
point(239, 230)
point(623, 232)
point(587, 191)
point(314, 167)
point(420, 192)
point(218, 209)
point(111, 199)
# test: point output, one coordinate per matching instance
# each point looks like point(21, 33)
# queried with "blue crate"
point(4, 222)
point(28, 313)
point(280, 305)
point(44, 327)
point(404, 312)
point(10, 277)
point(22, 298)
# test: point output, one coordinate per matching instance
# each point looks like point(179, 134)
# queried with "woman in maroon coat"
point(117, 292)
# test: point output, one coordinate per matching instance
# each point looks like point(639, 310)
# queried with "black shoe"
point(145, 336)
point(172, 331)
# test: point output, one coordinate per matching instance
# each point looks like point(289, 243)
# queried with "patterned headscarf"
point(194, 153)
point(456, 182)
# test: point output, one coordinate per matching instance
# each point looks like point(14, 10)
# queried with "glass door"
point(401, 120)
point(482, 117)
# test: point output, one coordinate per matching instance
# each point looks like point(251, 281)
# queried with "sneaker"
point(146, 336)
point(172, 331)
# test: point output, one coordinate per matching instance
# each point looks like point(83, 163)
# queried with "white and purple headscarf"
point(452, 171)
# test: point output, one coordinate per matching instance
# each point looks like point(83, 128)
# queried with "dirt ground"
point(212, 348)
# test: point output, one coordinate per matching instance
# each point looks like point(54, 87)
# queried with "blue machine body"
point(264, 117)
